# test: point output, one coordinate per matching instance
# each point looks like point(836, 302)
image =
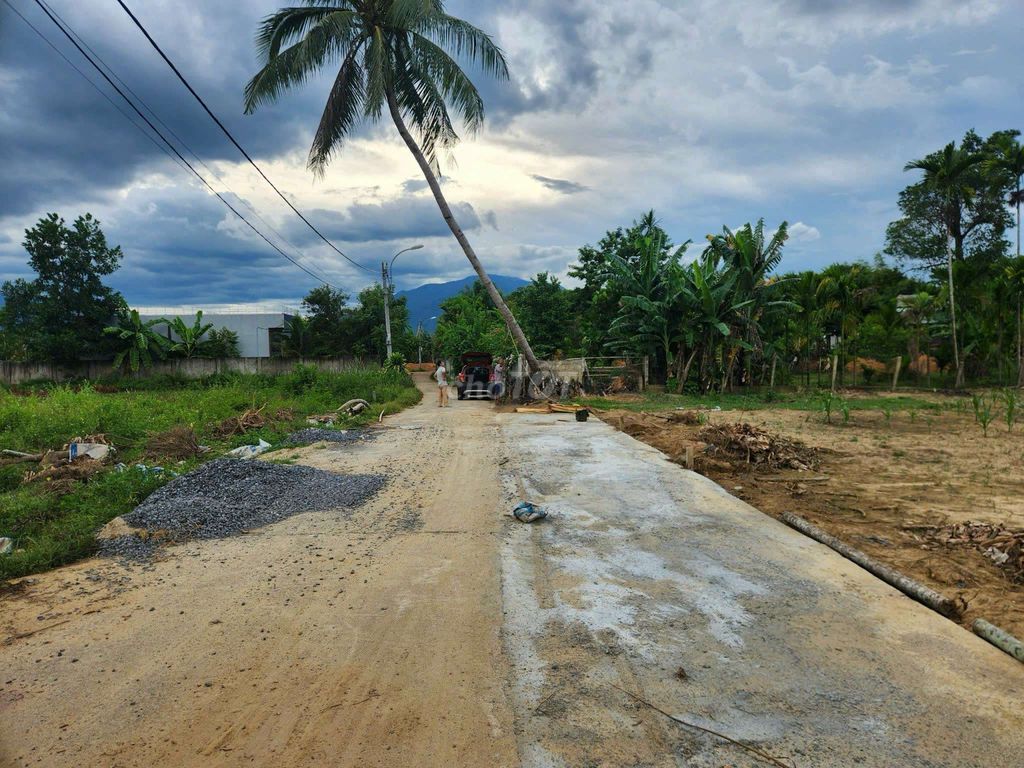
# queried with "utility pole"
point(419, 342)
point(385, 275)
point(387, 303)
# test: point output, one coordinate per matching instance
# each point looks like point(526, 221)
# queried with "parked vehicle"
point(476, 379)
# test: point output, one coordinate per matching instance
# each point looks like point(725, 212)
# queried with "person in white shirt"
point(499, 378)
point(441, 374)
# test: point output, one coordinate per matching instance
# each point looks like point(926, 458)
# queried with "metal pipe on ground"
point(1000, 638)
point(939, 603)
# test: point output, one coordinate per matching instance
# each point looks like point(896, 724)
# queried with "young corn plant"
point(844, 408)
point(976, 402)
point(887, 414)
point(983, 414)
point(1010, 400)
point(828, 400)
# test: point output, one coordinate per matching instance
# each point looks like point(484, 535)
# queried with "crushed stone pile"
point(756, 446)
point(227, 496)
point(317, 434)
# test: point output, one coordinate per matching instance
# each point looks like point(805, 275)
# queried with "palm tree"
point(190, 337)
point(1009, 159)
point(1015, 277)
point(752, 259)
point(806, 313)
point(917, 312)
point(399, 54)
point(946, 172)
point(141, 341)
point(296, 338)
point(844, 297)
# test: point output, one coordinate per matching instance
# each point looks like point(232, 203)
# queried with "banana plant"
point(141, 342)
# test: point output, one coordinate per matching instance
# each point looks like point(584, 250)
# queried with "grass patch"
point(793, 401)
point(50, 529)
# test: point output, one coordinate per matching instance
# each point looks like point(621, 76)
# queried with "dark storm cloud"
point(560, 185)
point(62, 139)
point(411, 217)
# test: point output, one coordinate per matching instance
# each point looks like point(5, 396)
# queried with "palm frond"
point(343, 108)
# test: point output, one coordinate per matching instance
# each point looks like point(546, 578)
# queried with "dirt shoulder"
point(891, 487)
point(366, 641)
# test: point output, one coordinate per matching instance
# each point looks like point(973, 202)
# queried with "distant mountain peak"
point(424, 302)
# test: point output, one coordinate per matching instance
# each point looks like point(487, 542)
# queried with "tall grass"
point(49, 530)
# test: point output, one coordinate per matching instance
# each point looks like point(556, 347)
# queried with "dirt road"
point(367, 641)
point(427, 629)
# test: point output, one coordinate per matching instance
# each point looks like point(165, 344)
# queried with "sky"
point(709, 112)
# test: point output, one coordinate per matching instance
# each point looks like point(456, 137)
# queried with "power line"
point(92, 82)
point(155, 116)
point(42, 5)
point(227, 133)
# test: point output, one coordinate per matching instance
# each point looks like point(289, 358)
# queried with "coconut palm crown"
point(399, 54)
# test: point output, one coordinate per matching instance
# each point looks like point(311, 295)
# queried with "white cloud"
point(803, 233)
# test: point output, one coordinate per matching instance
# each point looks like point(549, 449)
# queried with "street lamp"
point(419, 338)
point(385, 273)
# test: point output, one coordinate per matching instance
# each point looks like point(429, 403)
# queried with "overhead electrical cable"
point(113, 73)
point(42, 5)
point(231, 138)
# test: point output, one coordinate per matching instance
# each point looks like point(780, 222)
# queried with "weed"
point(844, 408)
point(976, 403)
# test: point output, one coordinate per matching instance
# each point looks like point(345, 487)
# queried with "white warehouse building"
point(259, 331)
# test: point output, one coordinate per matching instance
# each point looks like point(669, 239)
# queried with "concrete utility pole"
point(386, 272)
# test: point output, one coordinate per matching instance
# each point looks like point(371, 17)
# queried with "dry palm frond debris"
point(1004, 546)
point(757, 446)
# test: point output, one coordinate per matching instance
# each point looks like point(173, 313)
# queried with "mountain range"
point(424, 302)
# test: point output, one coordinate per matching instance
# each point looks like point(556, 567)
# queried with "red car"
point(476, 379)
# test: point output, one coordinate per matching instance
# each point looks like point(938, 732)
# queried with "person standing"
point(499, 379)
point(441, 374)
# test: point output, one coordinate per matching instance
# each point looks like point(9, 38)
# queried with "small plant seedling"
point(976, 403)
point(887, 413)
point(913, 415)
point(983, 414)
point(844, 408)
point(1010, 398)
point(827, 401)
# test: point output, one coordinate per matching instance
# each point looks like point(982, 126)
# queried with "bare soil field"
point(928, 494)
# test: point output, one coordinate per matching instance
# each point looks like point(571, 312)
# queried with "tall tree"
point(398, 54)
point(61, 314)
point(325, 308)
point(1008, 158)
point(544, 306)
point(946, 174)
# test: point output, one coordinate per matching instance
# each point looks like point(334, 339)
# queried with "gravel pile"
point(226, 496)
point(317, 434)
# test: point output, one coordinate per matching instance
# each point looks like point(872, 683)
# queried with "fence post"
point(646, 374)
point(835, 370)
point(896, 373)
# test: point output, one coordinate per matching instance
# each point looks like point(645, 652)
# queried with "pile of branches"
point(239, 425)
point(1004, 546)
point(758, 447)
point(177, 443)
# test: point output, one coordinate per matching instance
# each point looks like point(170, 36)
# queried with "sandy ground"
point(882, 484)
point(427, 628)
point(327, 639)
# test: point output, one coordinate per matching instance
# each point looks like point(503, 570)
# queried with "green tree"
point(61, 314)
point(469, 323)
point(947, 175)
point(398, 54)
point(362, 332)
point(1008, 159)
point(844, 297)
point(296, 339)
point(325, 308)
point(544, 307)
point(597, 300)
point(138, 341)
point(190, 337)
point(223, 342)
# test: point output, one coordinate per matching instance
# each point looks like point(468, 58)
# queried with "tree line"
point(945, 295)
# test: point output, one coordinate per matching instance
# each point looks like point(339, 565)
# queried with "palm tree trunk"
point(460, 236)
point(1020, 343)
point(952, 315)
